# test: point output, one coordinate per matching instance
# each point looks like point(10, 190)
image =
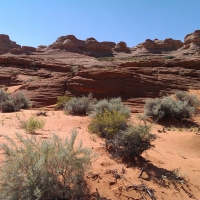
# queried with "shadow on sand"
point(171, 179)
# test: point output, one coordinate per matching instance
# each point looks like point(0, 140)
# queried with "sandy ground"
point(176, 155)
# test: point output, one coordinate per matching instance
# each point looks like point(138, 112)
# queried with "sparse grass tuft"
point(32, 124)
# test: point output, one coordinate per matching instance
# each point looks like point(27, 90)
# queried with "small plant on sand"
point(62, 100)
point(79, 105)
point(43, 169)
point(108, 123)
point(183, 105)
point(13, 102)
point(20, 101)
point(110, 120)
point(3, 96)
point(131, 142)
point(32, 124)
point(114, 104)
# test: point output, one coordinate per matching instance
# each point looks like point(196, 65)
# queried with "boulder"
point(192, 38)
point(41, 48)
point(122, 47)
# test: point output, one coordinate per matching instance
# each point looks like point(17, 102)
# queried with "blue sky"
point(41, 22)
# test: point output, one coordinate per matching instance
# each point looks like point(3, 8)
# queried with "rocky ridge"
point(73, 67)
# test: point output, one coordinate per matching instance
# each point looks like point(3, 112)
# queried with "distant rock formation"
point(6, 44)
point(122, 47)
point(192, 38)
point(159, 46)
point(47, 72)
point(192, 42)
point(90, 45)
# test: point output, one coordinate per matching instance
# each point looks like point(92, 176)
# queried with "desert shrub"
point(184, 106)
point(110, 105)
point(8, 106)
point(131, 142)
point(108, 123)
point(43, 169)
point(13, 102)
point(79, 105)
point(191, 99)
point(4, 96)
point(32, 124)
point(110, 120)
point(61, 101)
point(159, 108)
point(20, 101)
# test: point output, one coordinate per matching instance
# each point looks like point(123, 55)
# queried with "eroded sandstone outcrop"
point(122, 47)
point(6, 44)
point(51, 71)
point(192, 38)
point(157, 46)
point(90, 45)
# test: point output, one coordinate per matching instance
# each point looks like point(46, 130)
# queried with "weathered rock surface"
point(28, 49)
point(91, 45)
point(122, 47)
point(6, 44)
point(45, 79)
point(49, 72)
point(157, 46)
point(41, 48)
point(192, 38)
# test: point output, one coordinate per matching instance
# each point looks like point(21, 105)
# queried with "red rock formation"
point(71, 43)
point(122, 47)
point(6, 44)
point(47, 73)
point(192, 38)
point(28, 49)
point(156, 46)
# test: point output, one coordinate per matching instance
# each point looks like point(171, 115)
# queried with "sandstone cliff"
point(65, 68)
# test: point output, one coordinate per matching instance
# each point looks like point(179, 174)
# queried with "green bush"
point(4, 96)
point(20, 101)
point(131, 142)
point(79, 106)
point(110, 120)
point(43, 169)
point(183, 106)
point(8, 106)
point(108, 123)
point(13, 102)
point(159, 108)
point(62, 100)
point(191, 99)
point(110, 105)
point(32, 124)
